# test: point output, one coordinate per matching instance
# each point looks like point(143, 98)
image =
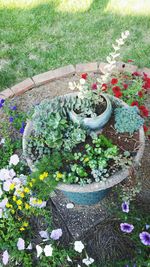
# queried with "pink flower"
point(94, 86)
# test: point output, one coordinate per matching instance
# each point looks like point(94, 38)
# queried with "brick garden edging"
point(61, 72)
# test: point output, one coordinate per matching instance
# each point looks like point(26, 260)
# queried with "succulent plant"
point(127, 119)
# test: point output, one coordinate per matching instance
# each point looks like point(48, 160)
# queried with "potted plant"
point(85, 164)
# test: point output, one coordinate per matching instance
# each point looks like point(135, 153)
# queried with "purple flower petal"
point(2, 101)
point(13, 108)
point(21, 130)
point(145, 238)
point(125, 207)
point(56, 234)
point(11, 119)
point(126, 227)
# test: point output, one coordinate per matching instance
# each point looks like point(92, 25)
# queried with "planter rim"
point(93, 187)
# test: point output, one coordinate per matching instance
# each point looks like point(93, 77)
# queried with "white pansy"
point(4, 174)
point(6, 185)
point(44, 234)
point(5, 258)
point(12, 173)
point(29, 247)
point(48, 250)
point(21, 244)
point(14, 160)
point(78, 246)
point(88, 261)
point(39, 250)
point(68, 259)
point(3, 203)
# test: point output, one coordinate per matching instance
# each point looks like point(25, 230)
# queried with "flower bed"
point(65, 151)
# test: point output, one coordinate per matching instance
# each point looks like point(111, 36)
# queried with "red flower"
point(136, 73)
point(135, 103)
point(104, 87)
point(130, 60)
point(144, 111)
point(84, 76)
point(116, 89)
point(114, 81)
point(94, 86)
point(125, 86)
point(140, 94)
point(145, 128)
point(118, 94)
point(147, 82)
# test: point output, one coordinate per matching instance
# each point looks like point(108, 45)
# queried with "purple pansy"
point(11, 119)
point(145, 238)
point(13, 108)
point(125, 207)
point(1, 105)
point(21, 130)
point(2, 101)
point(56, 234)
point(126, 227)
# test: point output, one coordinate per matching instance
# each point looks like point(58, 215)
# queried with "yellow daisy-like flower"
point(12, 186)
point(27, 206)
point(39, 201)
point(86, 159)
point(19, 202)
point(8, 205)
point(14, 198)
point(59, 175)
point(30, 184)
point(19, 208)
point(43, 176)
point(12, 211)
point(25, 224)
point(26, 190)
point(22, 195)
point(22, 229)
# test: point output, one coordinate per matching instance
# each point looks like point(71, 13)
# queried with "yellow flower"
point(19, 208)
point(43, 176)
point(22, 194)
point(86, 159)
point(59, 175)
point(8, 205)
point(12, 186)
point(26, 190)
point(19, 202)
point(27, 206)
point(12, 211)
point(39, 201)
point(22, 229)
point(14, 198)
point(25, 224)
point(30, 184)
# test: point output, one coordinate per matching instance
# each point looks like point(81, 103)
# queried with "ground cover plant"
point(47, 34)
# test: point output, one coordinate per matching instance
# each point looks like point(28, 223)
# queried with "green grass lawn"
point(46, 34)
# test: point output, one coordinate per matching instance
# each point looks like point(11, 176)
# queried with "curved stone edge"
point(43, 78)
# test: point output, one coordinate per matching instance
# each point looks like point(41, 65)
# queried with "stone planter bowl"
point(95, 123)
point(92, 193)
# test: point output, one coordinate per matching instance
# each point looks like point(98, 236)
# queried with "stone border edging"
point(61, 72)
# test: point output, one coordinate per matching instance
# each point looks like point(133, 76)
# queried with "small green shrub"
point(127, 119)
